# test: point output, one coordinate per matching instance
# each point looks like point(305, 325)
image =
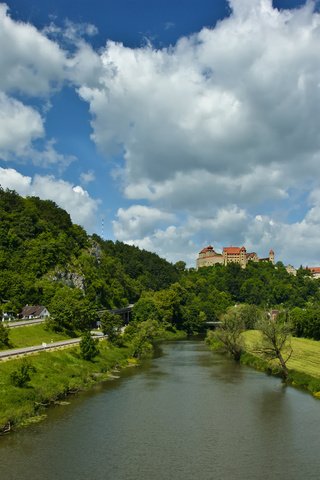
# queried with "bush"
point(21, 377)
point(88, 347)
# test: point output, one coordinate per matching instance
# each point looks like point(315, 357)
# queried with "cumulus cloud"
point(74, 199)
point(30, 62)
point(138, 221)
point(19, 126)
point(233, 108)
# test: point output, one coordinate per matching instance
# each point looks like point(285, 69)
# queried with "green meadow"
point(33, 335)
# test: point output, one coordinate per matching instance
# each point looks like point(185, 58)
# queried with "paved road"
point(14, 352)
point(23, 323)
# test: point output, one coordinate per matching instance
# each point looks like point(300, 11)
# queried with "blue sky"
point(177, 124)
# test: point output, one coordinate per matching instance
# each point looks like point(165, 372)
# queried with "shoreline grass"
point(303, 366)
point(58, 374)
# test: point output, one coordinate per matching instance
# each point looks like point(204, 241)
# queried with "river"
point(186, 414)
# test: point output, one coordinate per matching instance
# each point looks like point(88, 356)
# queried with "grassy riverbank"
point(304, 364)
point(58, 374)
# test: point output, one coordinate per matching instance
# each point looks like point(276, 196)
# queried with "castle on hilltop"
point(208, 257)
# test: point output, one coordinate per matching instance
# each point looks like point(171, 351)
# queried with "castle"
point(208, 257)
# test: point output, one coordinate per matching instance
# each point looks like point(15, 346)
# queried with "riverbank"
point(58, 374)
point(303, 366)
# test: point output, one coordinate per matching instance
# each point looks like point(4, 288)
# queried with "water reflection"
point(189, 414)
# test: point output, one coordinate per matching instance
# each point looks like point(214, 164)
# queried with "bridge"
point(125, 312)
point(213, 324)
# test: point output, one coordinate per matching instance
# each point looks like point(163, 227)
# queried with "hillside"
point(43, 255)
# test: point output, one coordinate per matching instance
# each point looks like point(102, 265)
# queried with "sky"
point(168, 125)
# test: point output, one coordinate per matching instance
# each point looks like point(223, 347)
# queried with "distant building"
point(208, 257)
point(290, 269)
point(315, 271)
point(34, 311)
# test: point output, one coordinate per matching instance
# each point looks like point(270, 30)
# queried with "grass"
point(33, 335)
point(57, 374)
point(303, 366)
point(305, 357)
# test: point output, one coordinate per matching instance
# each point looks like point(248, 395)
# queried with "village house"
point(30, 312)
point(315, 271)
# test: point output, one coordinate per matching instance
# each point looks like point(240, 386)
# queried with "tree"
point(4, 336)
point(21, 377)
point(142, 337)
point(88, 347)
point(70, 311)
point(111, 326)
point(228, 334)
point(275, 344)
point(249, 315)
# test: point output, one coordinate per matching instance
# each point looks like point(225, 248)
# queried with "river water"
point(187, 414)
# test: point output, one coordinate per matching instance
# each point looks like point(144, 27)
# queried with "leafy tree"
point(142, 336)
point(228, 335)
point(248, 315)
point(111, 326)
point(70, 311)
point(22, 376)
point(4, 336)
point(275, 343)
point(88, 347)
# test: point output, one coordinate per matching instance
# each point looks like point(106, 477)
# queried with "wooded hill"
point(44, 257)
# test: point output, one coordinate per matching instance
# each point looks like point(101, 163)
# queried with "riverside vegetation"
point(46, 259)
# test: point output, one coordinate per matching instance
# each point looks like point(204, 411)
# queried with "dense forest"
point(46, 259)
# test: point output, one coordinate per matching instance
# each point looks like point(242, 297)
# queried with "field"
point(305, 357)
point(33, 335)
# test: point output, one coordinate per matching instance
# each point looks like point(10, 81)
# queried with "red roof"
point(233, 250)
point(209, 248)
point(314, 269)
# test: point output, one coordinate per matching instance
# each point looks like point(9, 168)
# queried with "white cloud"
point(87, 177)
point(19, 126)
point(74, 199)
point(29, 62)
point(229, 110)
point(138, 221)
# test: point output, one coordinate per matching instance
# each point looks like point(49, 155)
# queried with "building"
point(291, 270)
point(315, 271)
point(34, 311)
point(208, 257)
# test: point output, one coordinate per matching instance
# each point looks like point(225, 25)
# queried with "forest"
point(45, 259)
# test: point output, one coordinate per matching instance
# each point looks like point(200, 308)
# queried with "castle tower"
point(271, 256)
point(243, 257)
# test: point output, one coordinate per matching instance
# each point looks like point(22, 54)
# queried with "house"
point(34, 311)
point(8, 316)
point(315, 271)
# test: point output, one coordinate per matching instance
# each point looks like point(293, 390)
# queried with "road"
point(15, 352)
point(24, 323)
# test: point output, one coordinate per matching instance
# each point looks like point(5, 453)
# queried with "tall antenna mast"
point(102, 228)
